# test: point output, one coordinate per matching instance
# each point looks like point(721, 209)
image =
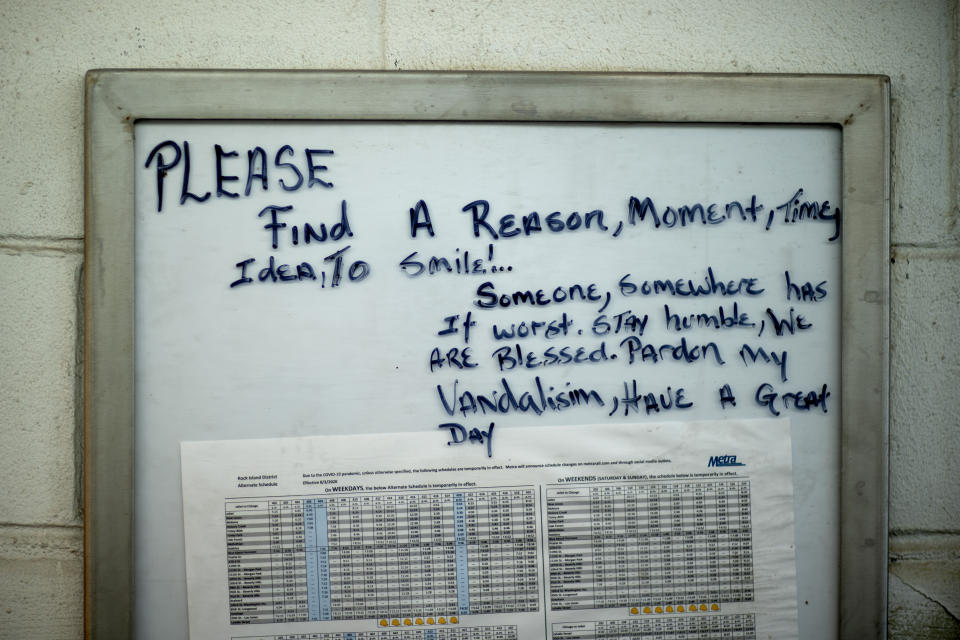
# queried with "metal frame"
point(116, 99)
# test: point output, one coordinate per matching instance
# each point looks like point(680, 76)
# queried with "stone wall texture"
point(47, 46)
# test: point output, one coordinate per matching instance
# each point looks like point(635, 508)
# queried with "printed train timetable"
point(382, 556)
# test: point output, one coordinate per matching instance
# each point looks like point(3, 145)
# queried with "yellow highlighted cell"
point(395, 622)
point(703, 607)
point(634, 610)
point(669, 609)
point(658, 609)
point(442, 620)
point(453, 620)
point(419, 620)
point(408, 622)
point(429, 620)
point(680, 608)
point(715, 607)
point(647, 610)
point(384, 623)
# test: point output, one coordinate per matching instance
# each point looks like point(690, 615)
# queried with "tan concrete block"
point(911, 615)
point(925, 370)
point(38, 352)
point(41, 589)
point(930, 565)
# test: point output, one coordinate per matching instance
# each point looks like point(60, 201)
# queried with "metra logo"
point(724, 461)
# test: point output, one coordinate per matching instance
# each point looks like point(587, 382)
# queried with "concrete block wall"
point(47, 46)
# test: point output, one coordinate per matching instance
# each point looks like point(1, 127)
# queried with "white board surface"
point(301, 357)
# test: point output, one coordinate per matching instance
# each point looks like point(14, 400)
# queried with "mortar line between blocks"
point(12, 244)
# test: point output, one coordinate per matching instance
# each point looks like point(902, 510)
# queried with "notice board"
point(281, 254)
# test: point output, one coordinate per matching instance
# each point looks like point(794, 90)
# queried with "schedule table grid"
point(362, 556)
point(677, 544)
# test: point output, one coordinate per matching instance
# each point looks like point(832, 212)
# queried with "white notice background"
point(471, 289)
point(567, 532)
